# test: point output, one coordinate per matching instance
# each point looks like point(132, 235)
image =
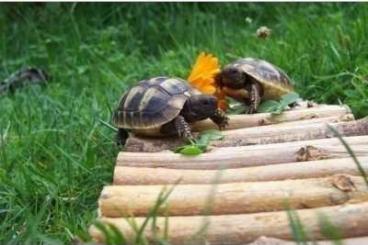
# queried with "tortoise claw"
point(183, 128)
point(220, 119)
point(251, 109)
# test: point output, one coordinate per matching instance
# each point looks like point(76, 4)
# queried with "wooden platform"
point(238, 191)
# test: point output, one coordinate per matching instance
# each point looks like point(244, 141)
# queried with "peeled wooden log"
point(245, 156)
point(274, 241)
point(352, 221)
point(261, 119)
point(257, 135)
point(237, 121)
point(298, 170)
point(234, 198)
point(332, 119)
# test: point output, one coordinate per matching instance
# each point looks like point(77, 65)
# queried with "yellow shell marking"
point(147, 97)
point(131, 94)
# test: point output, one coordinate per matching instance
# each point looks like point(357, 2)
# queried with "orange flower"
point(221, 99)
point(202, 77)
point(203, 73)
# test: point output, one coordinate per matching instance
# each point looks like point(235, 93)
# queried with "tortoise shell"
point(152, 103)
point(275, 82)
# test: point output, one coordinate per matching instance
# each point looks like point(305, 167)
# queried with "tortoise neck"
point(187, 112)
point(193, 111)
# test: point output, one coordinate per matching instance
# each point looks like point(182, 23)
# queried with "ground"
point(56, 152)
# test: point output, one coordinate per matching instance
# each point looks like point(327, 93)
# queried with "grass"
point(55, 154)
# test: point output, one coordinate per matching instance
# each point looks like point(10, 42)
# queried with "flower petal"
point(203, 72)
point(202, 77)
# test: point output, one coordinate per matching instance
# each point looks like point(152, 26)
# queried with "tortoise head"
point(199, 107)
point(231, 77)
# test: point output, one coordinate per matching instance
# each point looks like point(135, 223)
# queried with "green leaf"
point(191, 150)
point(289, 98)
point(276, 107)
point(210, 134)
point(236, 107)
point(279, 109)
point(268, 106)
point(200, 145)
point(207, 136)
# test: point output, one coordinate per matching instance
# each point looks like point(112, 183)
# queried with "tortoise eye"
point(233, 71)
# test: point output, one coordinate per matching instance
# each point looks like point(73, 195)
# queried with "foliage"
point(277, 107)
point(200, 144)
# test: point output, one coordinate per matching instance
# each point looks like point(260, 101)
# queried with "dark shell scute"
point(134, 102)
point(263, 70)
point(151, 99)
point(155, 103)
point(152, 102)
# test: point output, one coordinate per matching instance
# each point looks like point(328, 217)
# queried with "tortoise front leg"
point(220, 119)
point(254, 97)
point(178, 127)
point(182, 127)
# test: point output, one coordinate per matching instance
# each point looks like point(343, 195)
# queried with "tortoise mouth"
point(233, 82)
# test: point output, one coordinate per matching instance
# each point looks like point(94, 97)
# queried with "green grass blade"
point(351, 153)
point(329, 230)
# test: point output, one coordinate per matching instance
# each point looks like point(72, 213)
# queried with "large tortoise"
point(165, 106)
point(259, 78)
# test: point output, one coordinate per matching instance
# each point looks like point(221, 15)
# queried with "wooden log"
point(352, 221)
point(274, 241)
point(297, 170)
point(241, 120)
point(233, 198)
point(337, 112)
point(245, 156)
point(332, 119)
point(257, 135)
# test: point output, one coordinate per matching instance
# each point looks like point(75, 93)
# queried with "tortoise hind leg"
point(254, 90)
point(121, 137)
point(178, 127)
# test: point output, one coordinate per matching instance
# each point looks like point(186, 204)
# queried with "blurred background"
point(56, 151)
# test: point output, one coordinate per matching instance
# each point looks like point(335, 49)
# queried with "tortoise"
point(259, 78)
point(165, 106)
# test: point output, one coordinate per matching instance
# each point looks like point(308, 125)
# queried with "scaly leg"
point(220, 119)
point(254, 97)
point(182, 127)
point(121, 137)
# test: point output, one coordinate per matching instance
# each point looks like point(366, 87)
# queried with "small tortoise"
point(259, 79)
point(165, 106)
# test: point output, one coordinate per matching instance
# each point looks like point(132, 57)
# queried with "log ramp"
point(240, 190)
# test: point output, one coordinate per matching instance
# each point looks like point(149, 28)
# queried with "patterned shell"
point(273, 79)
point(152, 103)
